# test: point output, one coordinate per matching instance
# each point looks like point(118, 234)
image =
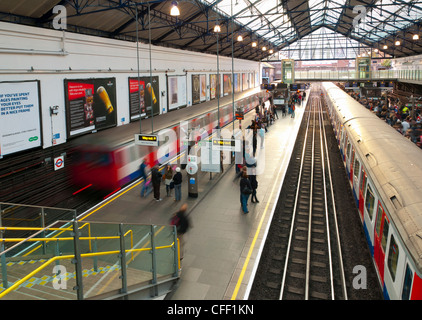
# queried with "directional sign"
point(58, 163)
point(146, 140)
point(226, 144)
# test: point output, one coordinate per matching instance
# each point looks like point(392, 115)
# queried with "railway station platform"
point(223, 243)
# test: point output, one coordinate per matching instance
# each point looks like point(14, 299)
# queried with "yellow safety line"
point(248, 257)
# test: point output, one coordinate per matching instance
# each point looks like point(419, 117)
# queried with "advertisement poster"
point(227, 84)
point(196, 89)
point(236, 83)
point(148, 92)
point(90, 105)
point(20, 117)
point(245, 82)
point(176, 92)
point(203, 80)
point(213, 86)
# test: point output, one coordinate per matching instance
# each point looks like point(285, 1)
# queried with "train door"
point(362, 191)
point(380, 239)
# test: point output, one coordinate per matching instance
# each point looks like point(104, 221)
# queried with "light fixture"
point(174, 9)
point(376, 50)
point(239, 38)
point(397, 43)
point(271, 51)
point(264, 48)
point(415, 37)
point(217, 28)
point(254, 44)
point(385, 47)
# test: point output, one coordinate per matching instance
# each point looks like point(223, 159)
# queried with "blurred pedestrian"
point(182, 223)
point(143, 172)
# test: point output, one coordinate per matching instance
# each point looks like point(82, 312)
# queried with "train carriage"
point(385, 175)
point(109, 159)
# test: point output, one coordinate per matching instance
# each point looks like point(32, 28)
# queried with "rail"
point(311, 224)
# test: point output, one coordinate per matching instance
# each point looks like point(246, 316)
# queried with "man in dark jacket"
point(156, 177)
point(254, 185)
point(177, 180)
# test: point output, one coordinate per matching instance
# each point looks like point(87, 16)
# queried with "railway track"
point(306, 261)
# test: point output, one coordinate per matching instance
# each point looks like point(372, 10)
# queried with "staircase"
point(102, 276)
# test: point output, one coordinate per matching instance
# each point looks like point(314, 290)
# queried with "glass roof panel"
point(268, 19)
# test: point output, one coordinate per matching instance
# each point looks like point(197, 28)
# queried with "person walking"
point(274, 109)
point(177, 180)
point(245, 191)
point(182, 223)
point(168, 176)
point(143, 171)
point(156, 181)
point(254, 185)
point(293, 111)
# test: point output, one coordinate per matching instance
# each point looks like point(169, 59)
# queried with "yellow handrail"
point(85, 255)
point(56, 239)
point(48, 229)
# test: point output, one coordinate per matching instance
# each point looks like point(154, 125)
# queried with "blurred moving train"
point(385, 173)
point(109, 159)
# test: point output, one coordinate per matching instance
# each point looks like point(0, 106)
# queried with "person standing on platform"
point(254, 185)
point(274, 109)
point(293, 111)
point(245, 191)
point(181, 221)
point(156, 181)
point(143, 170)
point(168, 176)
point(177, 180)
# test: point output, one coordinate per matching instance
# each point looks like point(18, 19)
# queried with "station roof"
point(275, 24)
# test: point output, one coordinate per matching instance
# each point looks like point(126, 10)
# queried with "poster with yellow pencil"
point(90, 105)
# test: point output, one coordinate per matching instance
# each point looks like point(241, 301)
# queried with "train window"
point(363, 181)
point(379, 220)
point(393, 257)
point(369, 201)
point(407, 285)
point(384, 234)
point(133, 153)
point(356, 168)
point(348, 150)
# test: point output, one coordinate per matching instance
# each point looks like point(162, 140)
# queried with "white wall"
point(52, 53)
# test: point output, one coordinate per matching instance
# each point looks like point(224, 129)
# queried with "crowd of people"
point(396, 113)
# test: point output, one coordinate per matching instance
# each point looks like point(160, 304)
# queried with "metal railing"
point(153, 254)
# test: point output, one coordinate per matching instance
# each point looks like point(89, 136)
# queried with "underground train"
point(109, 159)
point(385, 175)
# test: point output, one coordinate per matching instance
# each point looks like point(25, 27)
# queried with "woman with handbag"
point(245, 191)
point(168, 176)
